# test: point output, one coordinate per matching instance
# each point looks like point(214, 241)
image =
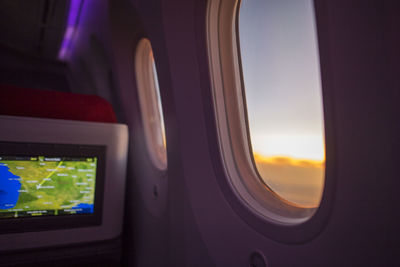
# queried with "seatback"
point(64, 108)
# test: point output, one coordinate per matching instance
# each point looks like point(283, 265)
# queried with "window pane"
point(280, 65)
point(161, 133)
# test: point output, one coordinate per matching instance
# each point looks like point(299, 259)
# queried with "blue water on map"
point(9, 188)
point(86, 208)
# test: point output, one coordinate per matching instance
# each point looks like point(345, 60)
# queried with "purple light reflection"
point(73, 16)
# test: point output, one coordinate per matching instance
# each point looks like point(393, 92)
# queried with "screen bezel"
point(45, 223)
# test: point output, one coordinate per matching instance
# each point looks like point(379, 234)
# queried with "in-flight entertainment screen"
point(43, 185)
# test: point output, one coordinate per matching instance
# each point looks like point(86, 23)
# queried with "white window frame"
point(149, 98)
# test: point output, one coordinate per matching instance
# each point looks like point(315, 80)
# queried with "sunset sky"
point(282, 80)
point(280, 64)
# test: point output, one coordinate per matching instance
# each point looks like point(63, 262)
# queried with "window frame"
point(249, 196)
point(149, 95)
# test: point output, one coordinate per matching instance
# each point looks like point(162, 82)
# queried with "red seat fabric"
point(16, 101)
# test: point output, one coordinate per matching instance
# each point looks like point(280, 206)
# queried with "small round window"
point(150, 104)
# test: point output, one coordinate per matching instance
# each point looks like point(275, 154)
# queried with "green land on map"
point(53, 185)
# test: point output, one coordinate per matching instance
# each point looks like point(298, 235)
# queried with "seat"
point(26, 102)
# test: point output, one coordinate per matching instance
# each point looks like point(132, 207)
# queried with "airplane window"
point(150, 104)
point(281, 76)
point(267, 95)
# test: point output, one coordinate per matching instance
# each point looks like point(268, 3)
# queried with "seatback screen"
point(46, 186)
point(43, 185)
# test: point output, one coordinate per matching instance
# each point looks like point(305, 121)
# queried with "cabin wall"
point(190, 221)
point(361, 140)
point(146, 214)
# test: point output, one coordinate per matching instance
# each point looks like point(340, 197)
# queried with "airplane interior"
point(199, 133)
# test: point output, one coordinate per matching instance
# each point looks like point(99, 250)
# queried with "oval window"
point(150, 104)
point(265, 72)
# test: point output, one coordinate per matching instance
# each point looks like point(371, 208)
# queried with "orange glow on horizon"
point(284, 160)
point(299, 181)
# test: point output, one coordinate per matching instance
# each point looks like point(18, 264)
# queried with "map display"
point(46, 186)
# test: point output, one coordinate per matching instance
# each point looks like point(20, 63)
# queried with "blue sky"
point(282, 78)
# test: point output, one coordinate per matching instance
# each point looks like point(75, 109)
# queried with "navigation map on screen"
point(46, 186)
